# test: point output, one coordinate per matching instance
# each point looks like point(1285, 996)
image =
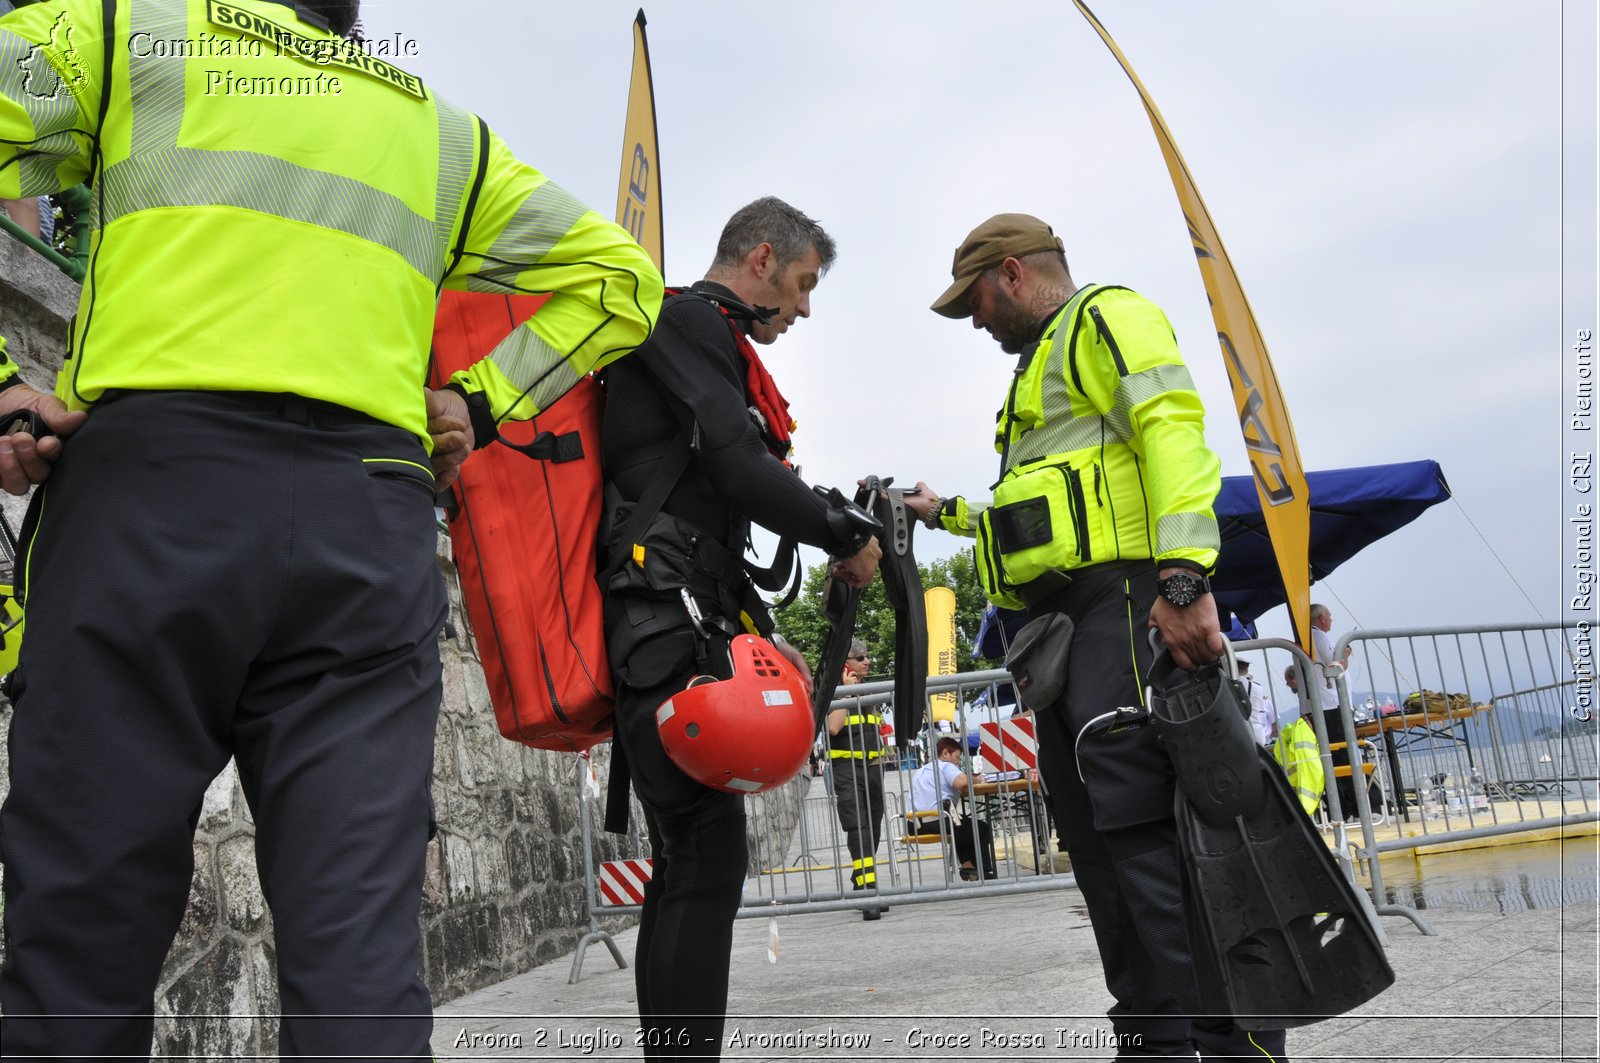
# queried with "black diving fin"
point(902, 585)
point(839, 601)
point(1278, 935)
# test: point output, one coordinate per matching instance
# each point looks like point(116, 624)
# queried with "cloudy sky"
point(1387, 177)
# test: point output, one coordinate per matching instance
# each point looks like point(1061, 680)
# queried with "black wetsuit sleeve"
point(693, 357)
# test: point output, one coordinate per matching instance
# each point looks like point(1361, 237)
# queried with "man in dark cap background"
point(1103, 512)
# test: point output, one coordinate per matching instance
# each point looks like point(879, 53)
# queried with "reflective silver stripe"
point(183, 177)
point(1139, 388)
point(49, 106)
point(457, 142)
point(541, 371)
point(1089, 429)
point(21, 67)
point(540, 221)
point(155, 85)
point(1069, 432)
point(1060, 437)
point(37, 171)
point(1187, 531)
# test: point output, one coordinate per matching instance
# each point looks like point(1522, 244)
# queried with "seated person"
point(939, 785)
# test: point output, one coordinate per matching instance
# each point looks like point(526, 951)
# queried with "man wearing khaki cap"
point(1102, 512)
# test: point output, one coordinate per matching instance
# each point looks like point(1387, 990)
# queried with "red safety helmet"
point(745, 734)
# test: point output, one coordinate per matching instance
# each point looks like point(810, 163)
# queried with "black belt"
point(1040, 589)
point(1057, 591)
point(295, 408)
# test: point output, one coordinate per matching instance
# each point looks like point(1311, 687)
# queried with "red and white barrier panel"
point(622, 881)
point(1010, 744)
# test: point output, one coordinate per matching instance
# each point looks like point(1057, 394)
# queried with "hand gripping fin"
point(1278, 936)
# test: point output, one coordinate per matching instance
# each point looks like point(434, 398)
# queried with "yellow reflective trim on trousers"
point(398, 461)
point(854, 754)
point(865, 861)
point(38, 527)
point(857, 721)
point(1133, 655)
point(182, 177)
point(1252, 1039)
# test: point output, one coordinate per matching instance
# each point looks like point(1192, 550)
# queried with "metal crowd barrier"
point(799, 861)
point(1462, 733)
point(1505, 755)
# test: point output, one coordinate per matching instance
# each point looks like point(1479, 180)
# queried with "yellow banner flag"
point(639, 191)
point(1263, 414)
point(939, 603)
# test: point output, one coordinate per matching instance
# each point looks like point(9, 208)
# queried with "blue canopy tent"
point(1350, 510)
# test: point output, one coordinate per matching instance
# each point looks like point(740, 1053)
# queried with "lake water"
point(1504, 879)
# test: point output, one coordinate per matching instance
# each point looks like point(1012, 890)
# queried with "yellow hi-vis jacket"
point(277, 209)
point(1103, 452)
point(1296, 752)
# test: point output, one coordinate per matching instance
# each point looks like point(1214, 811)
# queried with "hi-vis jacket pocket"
point(1046, 518)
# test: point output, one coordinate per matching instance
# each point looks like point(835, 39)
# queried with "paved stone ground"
point(1496, 983)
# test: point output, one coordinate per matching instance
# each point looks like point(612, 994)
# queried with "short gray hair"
point(1318, 611)
point(769, 220)
point(857, 648)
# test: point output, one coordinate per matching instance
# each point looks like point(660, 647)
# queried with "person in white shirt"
point(939, 785)
point(1263, 717)
point(1328, 690)
point(1322, 652)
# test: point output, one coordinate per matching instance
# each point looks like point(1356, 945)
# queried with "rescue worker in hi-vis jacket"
point(855, 761)
point(233, 553)
point(1102, 511)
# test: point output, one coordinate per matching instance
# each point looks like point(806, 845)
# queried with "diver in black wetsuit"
point(697, 385)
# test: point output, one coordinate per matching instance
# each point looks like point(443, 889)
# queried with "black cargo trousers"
point(219, 575)
point(1112, 795)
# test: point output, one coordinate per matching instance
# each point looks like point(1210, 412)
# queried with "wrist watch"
point(1183, 588)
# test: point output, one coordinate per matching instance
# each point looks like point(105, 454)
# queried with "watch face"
point(1180, 589)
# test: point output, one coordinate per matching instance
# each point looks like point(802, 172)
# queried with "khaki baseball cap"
point(1001, 237)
